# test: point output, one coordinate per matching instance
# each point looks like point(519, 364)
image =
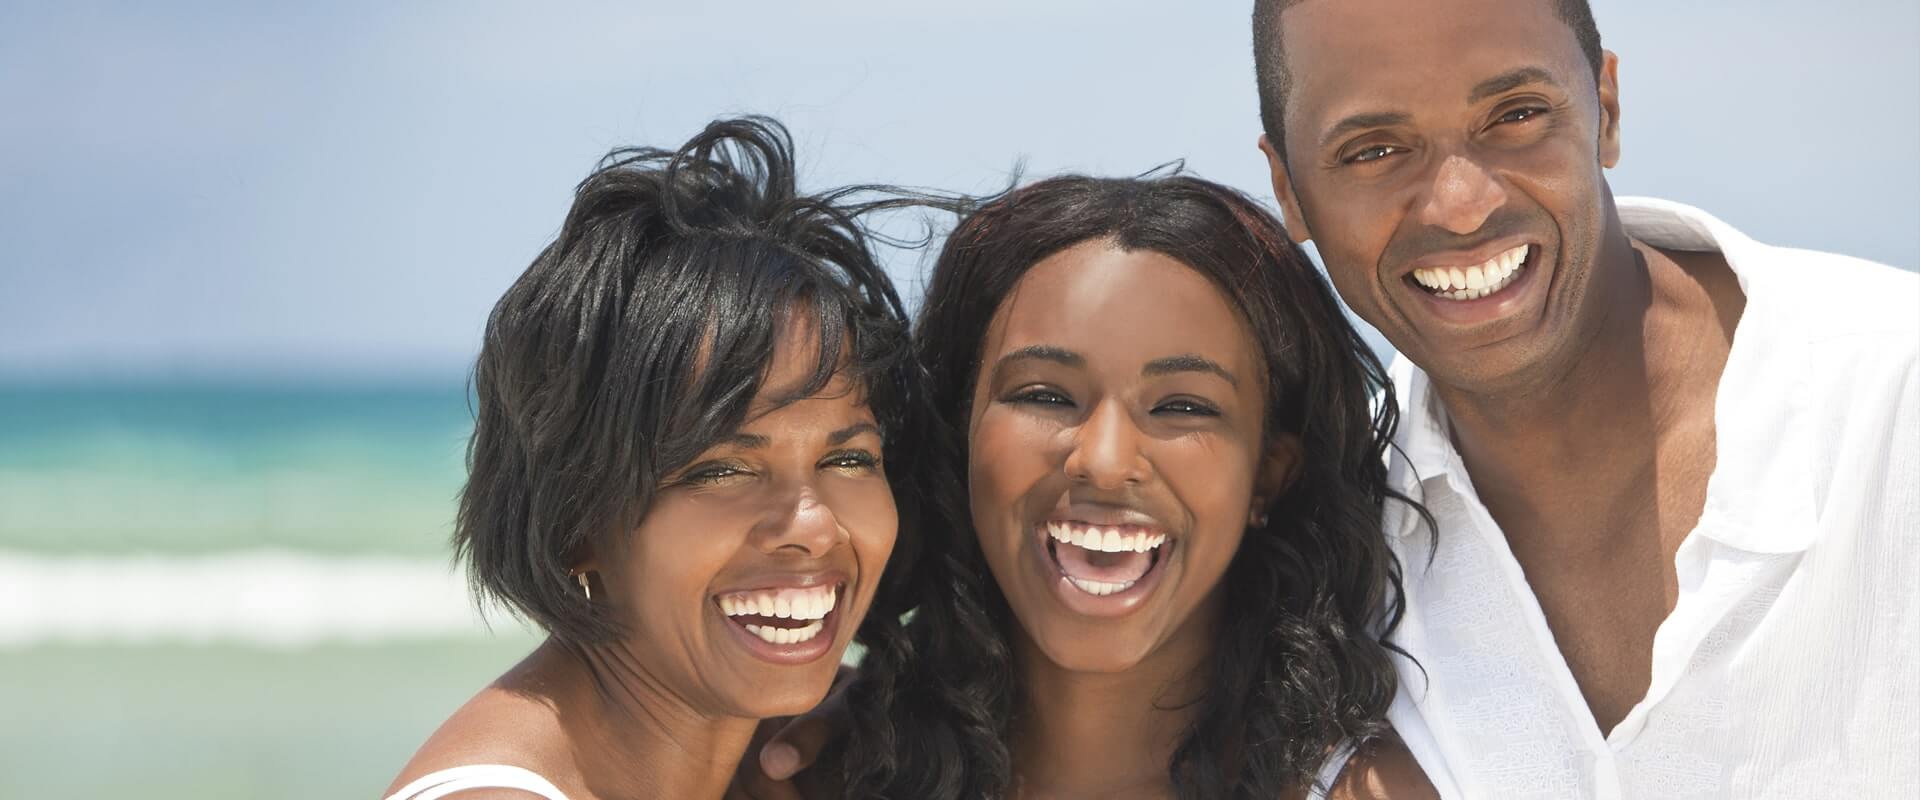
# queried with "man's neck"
point(1653, 363)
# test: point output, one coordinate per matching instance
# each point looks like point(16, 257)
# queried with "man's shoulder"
point(1841, 296)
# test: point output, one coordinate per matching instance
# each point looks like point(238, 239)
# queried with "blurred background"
point(247, 250)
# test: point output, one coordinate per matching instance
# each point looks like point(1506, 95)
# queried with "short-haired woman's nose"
point(801, 523)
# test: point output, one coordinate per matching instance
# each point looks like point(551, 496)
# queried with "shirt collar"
point(1760, 496)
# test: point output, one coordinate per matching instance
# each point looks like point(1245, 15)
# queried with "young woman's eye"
point(1373, 153)
point(1043, 397)
point(851, 461)
point(1186, 407)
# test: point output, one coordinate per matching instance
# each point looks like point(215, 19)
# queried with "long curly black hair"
point(1304, 668)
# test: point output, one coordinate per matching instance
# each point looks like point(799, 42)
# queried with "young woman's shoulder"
point(1383, 770)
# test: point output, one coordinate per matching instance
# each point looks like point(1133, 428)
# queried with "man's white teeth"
point(1099, 588)
point(811, 603)
point(775, 635)
point(1106, 540)
point(1477, 281)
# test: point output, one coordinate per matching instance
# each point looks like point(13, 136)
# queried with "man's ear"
point(1279, 468)
point(1290, 215)
point(1609, 87)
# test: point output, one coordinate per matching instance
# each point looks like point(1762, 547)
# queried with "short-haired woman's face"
point(756, 562)
point(1115, 447)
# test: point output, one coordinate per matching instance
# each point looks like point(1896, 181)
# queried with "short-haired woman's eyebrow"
point(1040, 352)
point(1188, 362)
point(747, 441)
point(841, 436)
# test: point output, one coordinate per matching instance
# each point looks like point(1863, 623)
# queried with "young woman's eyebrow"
point(1040, 352)
point(1188, 363)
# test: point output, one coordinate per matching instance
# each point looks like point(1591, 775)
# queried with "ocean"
point(231, 590)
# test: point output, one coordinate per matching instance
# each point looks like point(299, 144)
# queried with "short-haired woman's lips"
point(1104, 570)
point(784, 625)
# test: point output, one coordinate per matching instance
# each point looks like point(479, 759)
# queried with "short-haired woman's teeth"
point(813, 603)
point(1476, 281)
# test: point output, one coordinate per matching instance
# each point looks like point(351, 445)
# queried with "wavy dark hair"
point(638, 339)
point(936, 701)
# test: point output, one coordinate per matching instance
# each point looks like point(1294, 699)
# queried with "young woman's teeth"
point(1105, 540)
point(1474, 282)
point(1099, 588)
point(811, 604)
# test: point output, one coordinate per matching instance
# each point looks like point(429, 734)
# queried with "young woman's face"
point(1115, 447)
point(756, 562)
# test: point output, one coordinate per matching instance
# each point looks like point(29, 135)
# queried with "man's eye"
point(1520, 115)
point(1374, 153)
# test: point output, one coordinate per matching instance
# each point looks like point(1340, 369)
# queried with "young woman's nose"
point(1106, 449)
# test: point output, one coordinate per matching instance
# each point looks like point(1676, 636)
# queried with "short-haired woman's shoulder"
point(1383, 770)
point(497, 726)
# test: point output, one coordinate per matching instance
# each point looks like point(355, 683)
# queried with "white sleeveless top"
point(496, 776)
point(477, 776)
point(1330, 771)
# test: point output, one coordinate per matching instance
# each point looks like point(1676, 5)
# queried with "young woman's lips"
point(1103, 570)
point(786, 625)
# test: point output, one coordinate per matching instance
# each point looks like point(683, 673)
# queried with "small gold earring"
point(585, 585)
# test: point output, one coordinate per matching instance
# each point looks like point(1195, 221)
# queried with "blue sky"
point(232, 188)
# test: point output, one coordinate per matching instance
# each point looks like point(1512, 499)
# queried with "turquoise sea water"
point(161, 474)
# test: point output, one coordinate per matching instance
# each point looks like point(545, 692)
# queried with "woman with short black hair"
point(685, 409)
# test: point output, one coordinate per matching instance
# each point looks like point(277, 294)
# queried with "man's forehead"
point(1343, 53)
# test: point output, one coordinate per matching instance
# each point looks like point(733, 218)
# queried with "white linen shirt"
point(1790, 666)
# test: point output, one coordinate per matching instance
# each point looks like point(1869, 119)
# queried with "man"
point(1675, 472)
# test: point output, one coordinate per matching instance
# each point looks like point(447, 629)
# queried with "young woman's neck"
point(631, 736)
point(1088, 734)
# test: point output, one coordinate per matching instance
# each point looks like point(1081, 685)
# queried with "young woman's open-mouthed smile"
point(1116, 451)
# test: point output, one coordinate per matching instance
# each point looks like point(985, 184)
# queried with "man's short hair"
point(1270, 65)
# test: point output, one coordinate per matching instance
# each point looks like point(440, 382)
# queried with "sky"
point(344, 189)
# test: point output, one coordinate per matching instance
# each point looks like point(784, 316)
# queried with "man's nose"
point(1462, 196)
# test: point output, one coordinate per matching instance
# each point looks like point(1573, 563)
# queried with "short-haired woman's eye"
point(717, 472)
point(851, 461)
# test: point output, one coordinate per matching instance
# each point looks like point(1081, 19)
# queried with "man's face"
point(1445, 157)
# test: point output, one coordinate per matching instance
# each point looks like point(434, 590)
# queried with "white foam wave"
point(263, 598)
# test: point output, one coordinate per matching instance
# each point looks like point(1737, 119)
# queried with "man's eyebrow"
point(841, 436)
point(1041, 352)
point(1510, 80)
point(1363, 121)
point(1188, 363)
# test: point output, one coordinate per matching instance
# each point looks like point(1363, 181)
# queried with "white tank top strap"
point(1330, 771)
point(477, 776)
